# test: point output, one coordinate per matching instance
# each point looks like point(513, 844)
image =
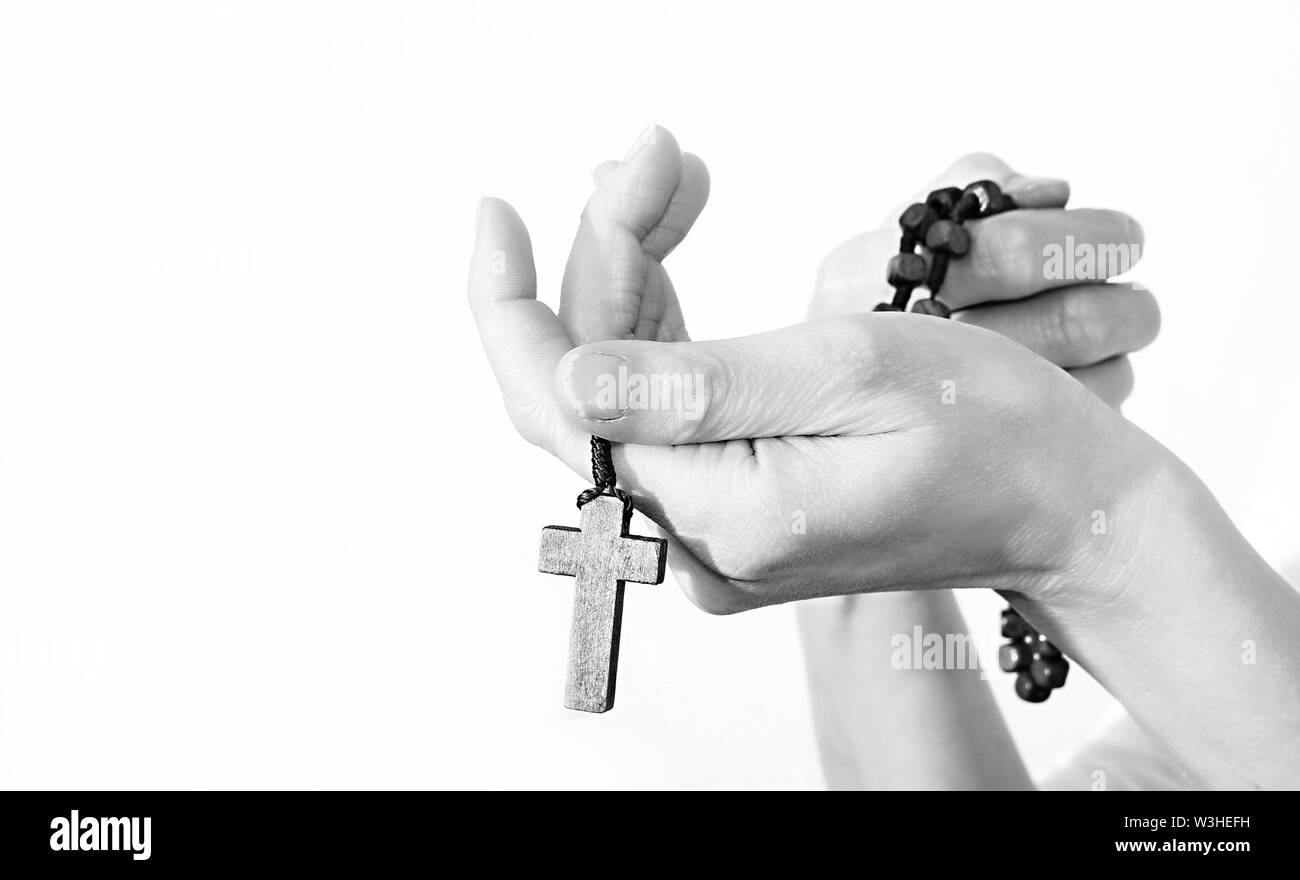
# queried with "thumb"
point(820, 378)
point(522, 337)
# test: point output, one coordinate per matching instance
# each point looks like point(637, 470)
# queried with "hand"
point(649, 200)
point(882, 730)
point(847, 421)
point(1169, 569)
point(1088, 328)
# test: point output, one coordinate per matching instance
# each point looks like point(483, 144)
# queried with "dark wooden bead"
point(1049, 672)
point(967, 206)
point(931, 307)
point(1013, 625)
point(886, 307)
point(947, 237)
point(1002, 203)
point(917, 219)
point(944, 200)
point(1030, 690)
point(1013, 658)
point(907, 270)
point(986, 192)
point(1045, 648)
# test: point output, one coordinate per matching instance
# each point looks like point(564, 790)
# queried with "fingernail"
point(592, 384)
point(599, 176)
point(645, 139)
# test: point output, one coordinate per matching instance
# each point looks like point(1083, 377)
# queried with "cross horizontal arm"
point(560, 550)
point(641, 560)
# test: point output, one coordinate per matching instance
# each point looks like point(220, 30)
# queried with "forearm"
point(1184, 623)
point(884, 727)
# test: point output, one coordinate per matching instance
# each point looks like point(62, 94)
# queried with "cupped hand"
point(861, 453)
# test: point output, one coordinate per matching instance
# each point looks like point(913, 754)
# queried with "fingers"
point(1075, 326)
point(684, 208)
point(614, 285)
point(525, 343)
point(1020, 253)
point(852, 276)
point(634, 194)
point(1111, 380)
point(1012, 256)
point(820, 378)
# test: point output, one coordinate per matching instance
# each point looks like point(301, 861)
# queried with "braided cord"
point(602, 474)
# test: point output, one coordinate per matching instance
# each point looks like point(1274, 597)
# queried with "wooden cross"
point(602, 555)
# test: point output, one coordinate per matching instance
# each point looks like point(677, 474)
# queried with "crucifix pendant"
point(602, 556)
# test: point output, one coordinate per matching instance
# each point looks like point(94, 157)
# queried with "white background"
point(263, 521)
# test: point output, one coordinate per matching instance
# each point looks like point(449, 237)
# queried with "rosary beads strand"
point(937, 222)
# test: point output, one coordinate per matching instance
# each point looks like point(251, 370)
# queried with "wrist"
point(1134, 507)
point(1166, 610)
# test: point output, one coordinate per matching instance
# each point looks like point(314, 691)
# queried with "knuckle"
point(1004, 257)
point(709, 392)
point(1080, 330)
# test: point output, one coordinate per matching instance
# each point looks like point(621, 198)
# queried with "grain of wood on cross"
point(602, 556)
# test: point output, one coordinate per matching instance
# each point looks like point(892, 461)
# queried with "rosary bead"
point(1002, 203)
point(931, 307)
point(907, 270)
point(1013, 658)
point(1013, 625)
point(917, 219)
point(944, 200)
point(947, 237)
point(1049, 672)
point(987, 192)
point(1029, 690)
point(1043, 647)
point(967, 206)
